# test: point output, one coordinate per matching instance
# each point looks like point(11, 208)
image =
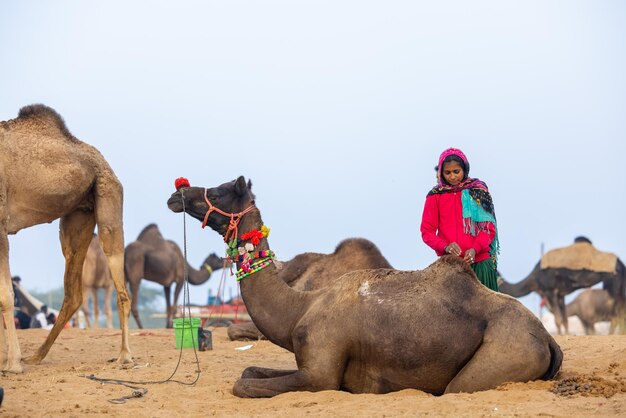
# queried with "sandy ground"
point(592, 382)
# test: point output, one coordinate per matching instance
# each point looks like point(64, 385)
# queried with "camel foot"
point(125, 359)
point(35, 359)
point(15, 369)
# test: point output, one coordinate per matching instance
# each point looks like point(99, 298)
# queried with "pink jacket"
point(442, 224)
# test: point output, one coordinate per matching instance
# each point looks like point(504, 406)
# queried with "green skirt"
point(487, 273)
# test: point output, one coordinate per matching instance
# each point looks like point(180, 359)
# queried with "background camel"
point(376, 331)
point(312, 271)
point(154, 258)
point(553, 282)
point(47, 174)
point(96, 275)
point(591, 306)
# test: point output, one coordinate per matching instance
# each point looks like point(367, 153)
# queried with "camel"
point(96, 275)
point(554, 283)
point(47, 174)
point(591, 306)
point(156, 259)
point(373, 331)
point(312, 271)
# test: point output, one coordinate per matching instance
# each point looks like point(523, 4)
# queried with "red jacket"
point(442, 224)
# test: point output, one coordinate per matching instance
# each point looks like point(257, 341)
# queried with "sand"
point(592, 381)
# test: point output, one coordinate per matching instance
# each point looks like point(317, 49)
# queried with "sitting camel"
point(373, 331)
point(591, 306)
point(96, 275)
point(312, 271)
point(47, 174)
point(154, 258)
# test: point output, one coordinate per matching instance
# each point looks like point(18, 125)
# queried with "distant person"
point(23, 318)
point(39, 320)
point(51, 318)
point(459, 218)
point(17, 300)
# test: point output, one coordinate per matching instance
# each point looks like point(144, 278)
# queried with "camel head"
point(214, 261)
point(218, 202)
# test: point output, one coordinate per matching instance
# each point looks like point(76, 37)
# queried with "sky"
point(337, 112)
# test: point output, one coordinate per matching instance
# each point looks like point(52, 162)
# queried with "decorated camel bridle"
point(250, 261)
point(233, 224)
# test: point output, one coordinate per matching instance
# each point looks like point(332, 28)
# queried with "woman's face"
point(453, 173)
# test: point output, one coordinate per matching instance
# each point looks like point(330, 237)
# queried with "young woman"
point(459, 218)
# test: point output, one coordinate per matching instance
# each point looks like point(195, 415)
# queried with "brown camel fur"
point(47, 174)
point(554, 284)
point(591, 306)
point(376, 331)
point(96, 275)
point(158, 260)
point(312, 271)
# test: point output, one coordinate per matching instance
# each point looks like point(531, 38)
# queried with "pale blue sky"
point(337, 111)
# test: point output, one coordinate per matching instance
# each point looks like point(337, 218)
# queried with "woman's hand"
point(470, 254)
point(453, 249)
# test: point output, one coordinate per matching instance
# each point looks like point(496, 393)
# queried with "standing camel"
point(47, 174)
point(373, 331)
point(312, 271)
point(154, 258)
point(564, 270)
point(591, 306)
point(96, 275)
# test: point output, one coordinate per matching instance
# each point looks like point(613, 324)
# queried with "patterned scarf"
point(476, 201)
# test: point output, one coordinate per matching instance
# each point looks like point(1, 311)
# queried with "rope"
point(140, 391)
point(234, 217)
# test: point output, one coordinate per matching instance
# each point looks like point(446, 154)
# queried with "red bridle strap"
point(231, 232)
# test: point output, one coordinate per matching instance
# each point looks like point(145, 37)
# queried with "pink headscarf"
point(447, 153)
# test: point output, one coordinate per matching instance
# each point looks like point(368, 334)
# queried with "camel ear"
point(240, 186)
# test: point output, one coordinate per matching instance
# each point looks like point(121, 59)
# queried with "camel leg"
point(590, 328)
point(244, 331)
point(492, 364)
point(254, 372)
point(179, 287)
point(284, 381)
point(85, 307)
point(134, 291)
point(111, 235)
point(10, 354)
point(168, 307)
point(562, 312)
point(96, 308)
point(76, 232)
point(318, 369)
point(558, 309)
point(108, 310)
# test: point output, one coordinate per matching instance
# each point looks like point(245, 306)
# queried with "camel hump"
point(45, 113)
point(363, 246)
point(150, 230)
point(448, 262)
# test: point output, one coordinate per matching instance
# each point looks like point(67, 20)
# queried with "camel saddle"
point(580, 256)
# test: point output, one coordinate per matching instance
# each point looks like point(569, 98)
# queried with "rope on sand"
point(139, 392)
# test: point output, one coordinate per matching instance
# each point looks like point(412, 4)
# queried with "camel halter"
point(232, 230)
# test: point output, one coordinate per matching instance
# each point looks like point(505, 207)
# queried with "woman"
point(459, 218)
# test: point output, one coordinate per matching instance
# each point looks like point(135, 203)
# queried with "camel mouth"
point(174, 203)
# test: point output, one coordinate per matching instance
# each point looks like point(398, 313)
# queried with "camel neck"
point(197, 277)
point(523, 287)
point(274, 307)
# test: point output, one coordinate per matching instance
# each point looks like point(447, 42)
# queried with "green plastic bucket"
point(186, 332)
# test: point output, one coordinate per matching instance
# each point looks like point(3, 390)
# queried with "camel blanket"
point(580, 256)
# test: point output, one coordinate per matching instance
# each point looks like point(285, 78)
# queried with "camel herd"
point(332, 311)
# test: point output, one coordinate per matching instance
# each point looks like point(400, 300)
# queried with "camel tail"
point(556, 358)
